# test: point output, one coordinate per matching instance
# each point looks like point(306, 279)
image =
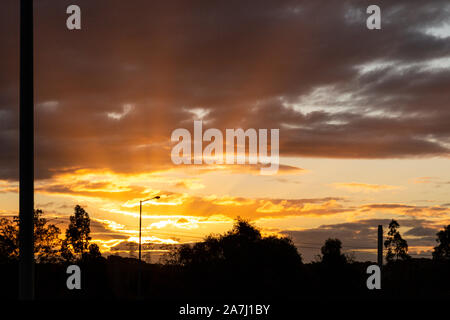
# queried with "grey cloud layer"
point(247, 63)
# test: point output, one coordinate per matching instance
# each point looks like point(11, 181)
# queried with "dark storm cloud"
point(100, 231)
point(242, 62)
point(421, 232)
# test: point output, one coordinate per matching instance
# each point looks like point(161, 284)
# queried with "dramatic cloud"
point(109, 95)
point(364, 187)
point(410, 210)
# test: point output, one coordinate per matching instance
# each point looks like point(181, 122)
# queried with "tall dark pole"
point(380, 246)
point(26, 153)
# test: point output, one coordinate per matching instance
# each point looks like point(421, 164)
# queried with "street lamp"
point(140, 221)
point(140, 233)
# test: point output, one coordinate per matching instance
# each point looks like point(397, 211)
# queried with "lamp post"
point(140, 221)
point(140, 236)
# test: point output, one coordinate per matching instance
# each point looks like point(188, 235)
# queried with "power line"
point(175, 235)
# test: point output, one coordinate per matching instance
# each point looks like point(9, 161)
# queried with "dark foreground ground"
point(116, 278)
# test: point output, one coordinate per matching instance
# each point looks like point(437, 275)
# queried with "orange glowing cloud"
point(364, 187)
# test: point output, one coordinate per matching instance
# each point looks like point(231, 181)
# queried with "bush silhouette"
point(241, 258)
point(331, 252)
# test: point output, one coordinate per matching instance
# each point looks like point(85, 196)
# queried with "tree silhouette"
point(442, 251)
point(240, 262)
point(243, 244)
point(46, 238)
point(66, 251)
point(47, 245)
point(76, 243)
point(331, 252)
point(9, 241)
point(93, 254)
point(397, 247)
point(241, 258)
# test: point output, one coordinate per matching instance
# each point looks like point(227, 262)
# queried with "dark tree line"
point(239, 263)
point(243, 262)
point(243, 242)
point(242, 239)
point(48, 245)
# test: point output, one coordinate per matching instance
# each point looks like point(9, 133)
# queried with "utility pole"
point(26, 154)
point(380, 246)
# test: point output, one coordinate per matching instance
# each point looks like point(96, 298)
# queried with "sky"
point(363, 118)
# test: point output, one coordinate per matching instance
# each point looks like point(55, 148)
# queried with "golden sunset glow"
point(363, 124)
